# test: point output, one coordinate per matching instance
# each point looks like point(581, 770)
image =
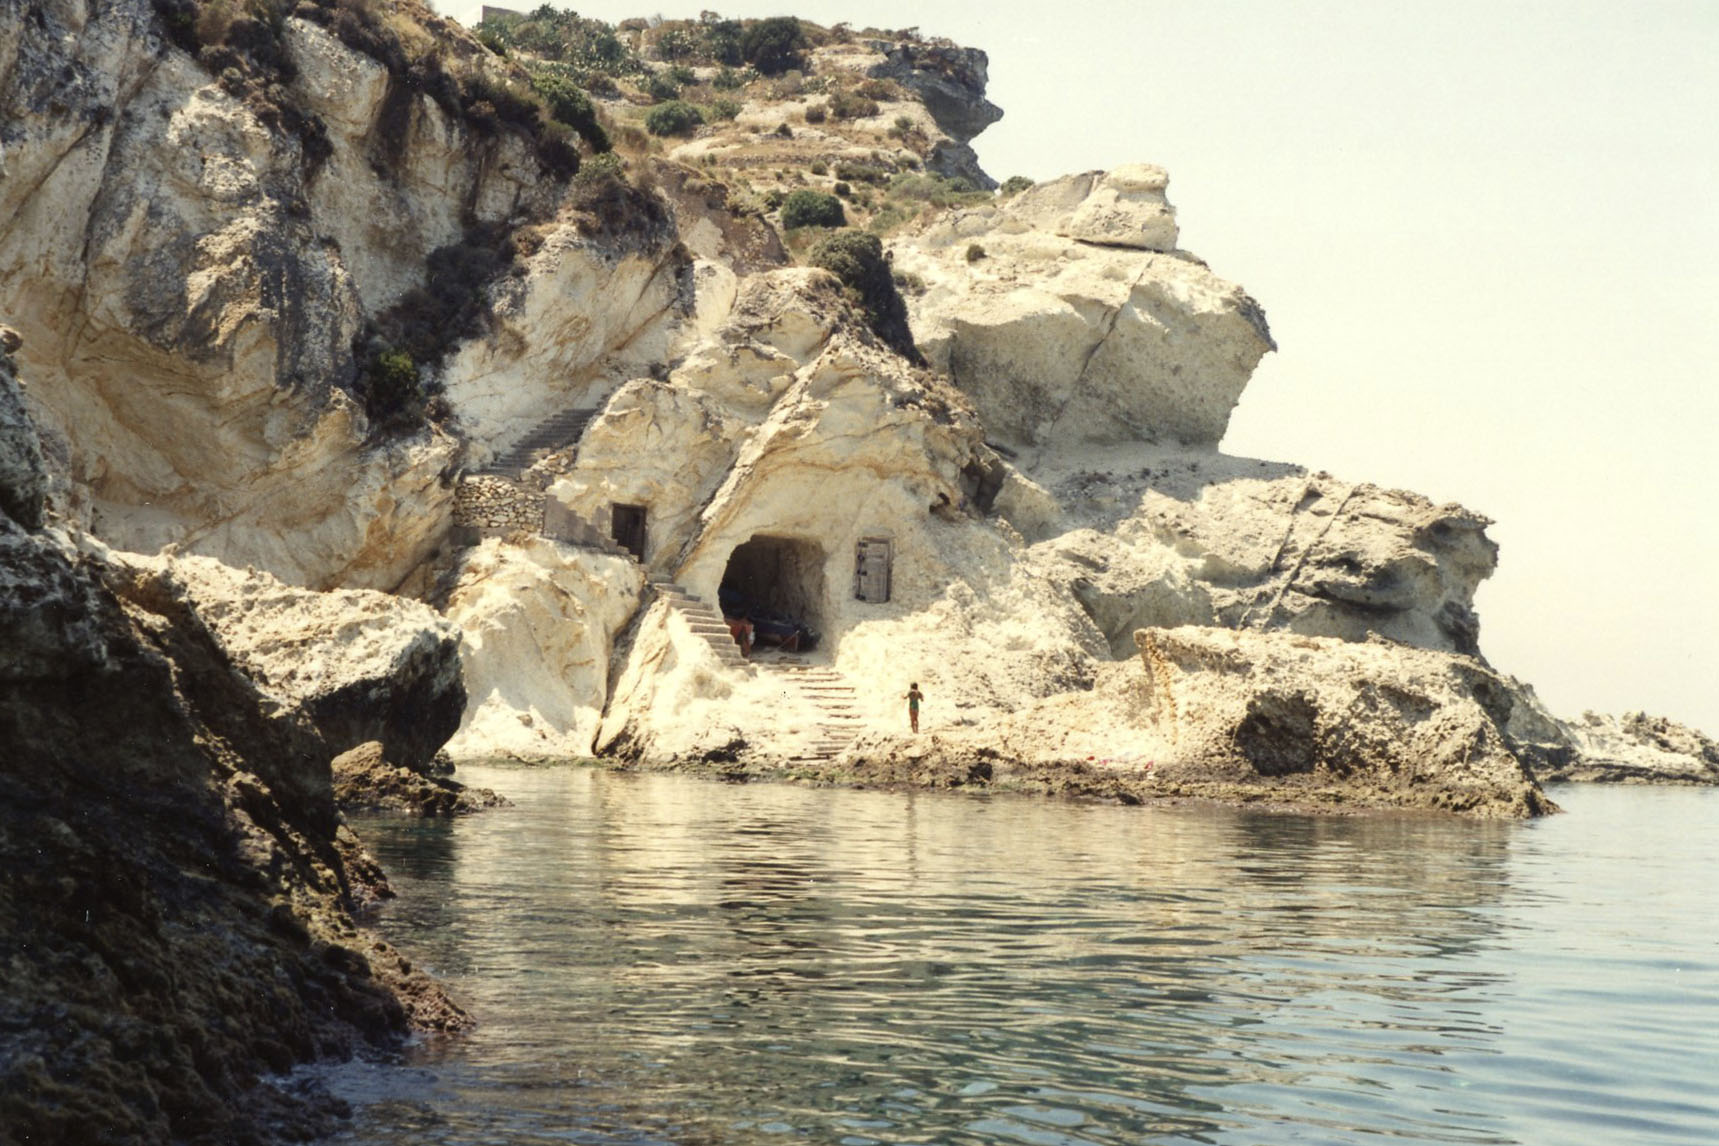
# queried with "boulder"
point(1375, 723)
point(1071, 321)
point(173, 876)
point(359, 665)
point(1160, 538)
point(540, 620)
point(366, 781)
point(1124, 207)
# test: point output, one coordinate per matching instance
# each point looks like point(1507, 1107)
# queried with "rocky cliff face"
point(284, 280)
point(201, 259)
point(177, 893)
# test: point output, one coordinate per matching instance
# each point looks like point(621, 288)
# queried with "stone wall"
point(494, 505)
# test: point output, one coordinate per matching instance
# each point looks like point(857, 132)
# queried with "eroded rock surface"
point(358, 664)
point(365, 780)
point(1637, 748)
point(177, 893)
point(1072, 320)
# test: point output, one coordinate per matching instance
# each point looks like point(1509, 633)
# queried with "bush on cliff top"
point(570, 106)
point(774, 46)
point(856, 258)
point(812, 209)
point(566, 37)
point(673, 118)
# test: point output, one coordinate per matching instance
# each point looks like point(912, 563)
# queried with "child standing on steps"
point(914, 696)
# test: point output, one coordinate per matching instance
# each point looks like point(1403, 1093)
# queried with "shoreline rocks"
point(180, 905)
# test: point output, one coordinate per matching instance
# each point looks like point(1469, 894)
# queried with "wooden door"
point(872, 570)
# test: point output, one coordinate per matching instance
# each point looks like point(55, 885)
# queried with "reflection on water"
point(658, 959)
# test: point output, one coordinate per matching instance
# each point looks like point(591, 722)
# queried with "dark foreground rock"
point(366, 781)
point(177, 893)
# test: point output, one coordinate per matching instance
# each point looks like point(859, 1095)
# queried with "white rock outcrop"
point(1638, 748)
point(995, 515)
point(360, 665)
point(1070, 319)
point(540, 621)
point(190, 278)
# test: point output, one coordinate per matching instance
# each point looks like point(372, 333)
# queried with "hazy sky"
point(1487, 238)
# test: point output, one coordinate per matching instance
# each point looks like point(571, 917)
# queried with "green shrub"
point(908, 282)
point(975, 252)
point(673, 118)
point(902, 127)
point(816, 112)
point(723, 108)
point(888, 217)
point(819, 167)
point(857, 172)
point(722, 40)
point(559, 35)
point(935, 189)
point(393, 394)
point(677, 44)
point(851, 105)
point(842, 189)
point(568, 105)
point(880, 89)
point(600, 84)
point(812, 209)
point(1014, 185)
point(662, 87)
point(605, 166)
point(728, 79)
point(856, 258)
point(773, 46)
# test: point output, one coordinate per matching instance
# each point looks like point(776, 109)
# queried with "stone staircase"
point(828, 692)
point(555, 432)
point(704, 621)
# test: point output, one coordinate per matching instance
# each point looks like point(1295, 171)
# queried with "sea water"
point(659, 959)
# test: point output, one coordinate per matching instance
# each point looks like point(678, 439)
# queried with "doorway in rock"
point(777, 583)
point(873, 562)
point(627, 527)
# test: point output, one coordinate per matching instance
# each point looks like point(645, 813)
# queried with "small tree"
point(857, 259)
point(673, 118)
point(773, 46)
point(813, 209)
point(568, 105)
point(394, 395)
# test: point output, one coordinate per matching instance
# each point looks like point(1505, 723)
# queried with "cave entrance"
point(627, 527)
point(776, 583)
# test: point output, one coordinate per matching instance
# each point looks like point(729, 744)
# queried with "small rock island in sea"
point(677, 394)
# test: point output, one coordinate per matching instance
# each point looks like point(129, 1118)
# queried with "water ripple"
point(659, 960)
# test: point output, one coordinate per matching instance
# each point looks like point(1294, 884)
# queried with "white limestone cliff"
point(539, 621)
point(189, 279)
point(196, 285)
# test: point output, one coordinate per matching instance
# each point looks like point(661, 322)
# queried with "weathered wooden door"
point(872, 570)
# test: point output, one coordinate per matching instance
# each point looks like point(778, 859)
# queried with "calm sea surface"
point(656, 959)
